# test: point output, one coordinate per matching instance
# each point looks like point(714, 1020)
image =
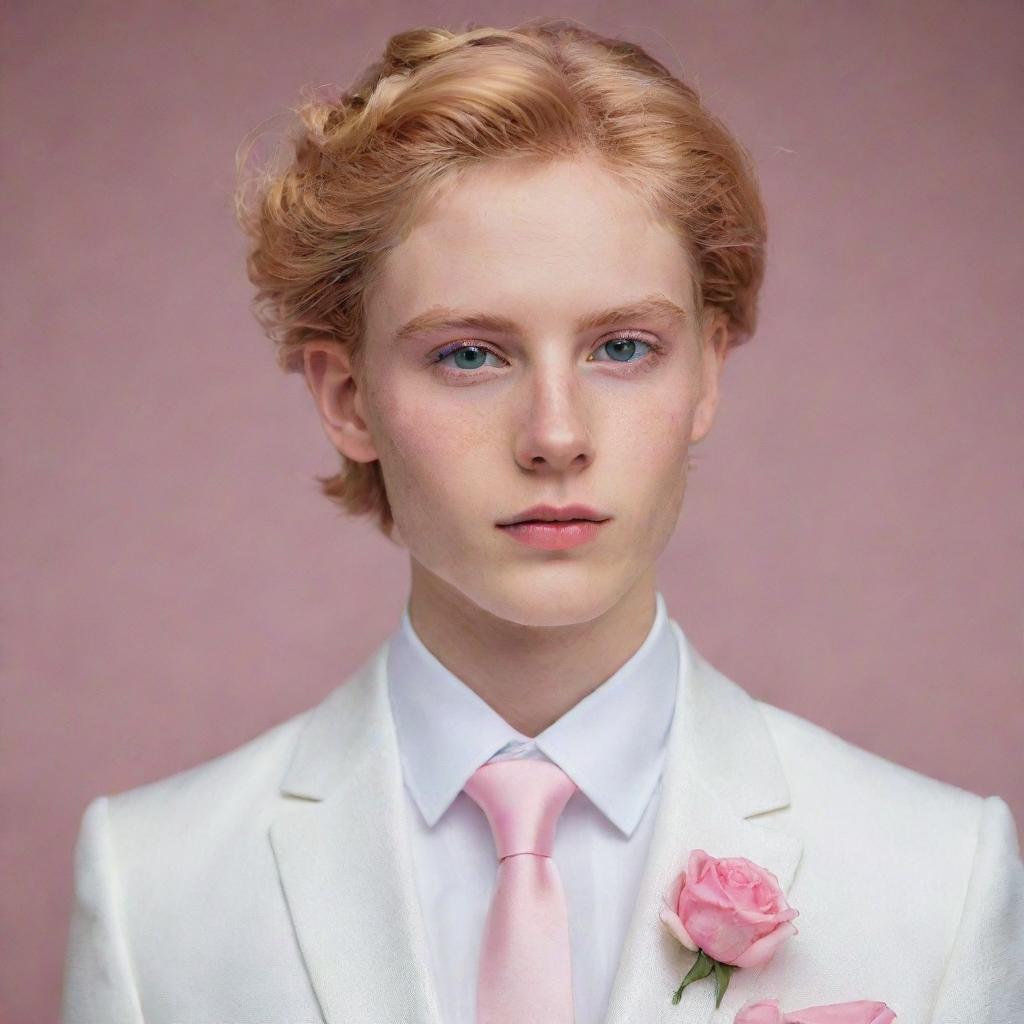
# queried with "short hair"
point(368, 160)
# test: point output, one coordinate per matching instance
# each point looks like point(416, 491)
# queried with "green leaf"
point(701, 968)
point(723, 972)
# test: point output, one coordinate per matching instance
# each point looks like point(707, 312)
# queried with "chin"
point(554, 595)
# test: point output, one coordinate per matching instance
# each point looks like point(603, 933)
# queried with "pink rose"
point(862, 1011)
point(730, 908)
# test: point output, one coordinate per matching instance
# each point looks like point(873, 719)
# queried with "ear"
point(338, 398)
point(714, 349)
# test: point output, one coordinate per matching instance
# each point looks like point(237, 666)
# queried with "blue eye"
point(622, 349)
point(472, 356)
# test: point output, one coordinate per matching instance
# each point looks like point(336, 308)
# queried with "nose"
point(554, 434)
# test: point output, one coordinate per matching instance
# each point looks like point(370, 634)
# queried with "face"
point(531, 398)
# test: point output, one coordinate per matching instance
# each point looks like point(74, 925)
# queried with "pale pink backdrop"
point(850, 545)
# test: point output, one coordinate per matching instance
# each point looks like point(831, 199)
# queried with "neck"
point(529, 675)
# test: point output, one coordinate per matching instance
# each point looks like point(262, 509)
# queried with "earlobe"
point(335, 390)
point(703, 417)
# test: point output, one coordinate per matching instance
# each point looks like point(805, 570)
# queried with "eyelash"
point(641, 364)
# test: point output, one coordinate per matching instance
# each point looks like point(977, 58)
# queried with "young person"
point(511, 265)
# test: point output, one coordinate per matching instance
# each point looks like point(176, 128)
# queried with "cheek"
point(655, 464)
point(660, 444)
point(430, 453)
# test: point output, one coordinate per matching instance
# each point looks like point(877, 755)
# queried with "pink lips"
point(553, 536)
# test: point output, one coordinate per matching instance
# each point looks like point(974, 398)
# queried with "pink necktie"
point(525, 974)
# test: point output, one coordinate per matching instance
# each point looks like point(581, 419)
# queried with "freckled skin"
point(551, 418)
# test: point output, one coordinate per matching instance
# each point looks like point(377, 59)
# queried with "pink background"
point(173, 583)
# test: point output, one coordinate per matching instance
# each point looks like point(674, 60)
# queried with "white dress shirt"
point(611, 744)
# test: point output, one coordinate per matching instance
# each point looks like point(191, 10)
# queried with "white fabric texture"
point(276, 883)
point(611, 744)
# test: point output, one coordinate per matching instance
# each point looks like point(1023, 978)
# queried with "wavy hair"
point(363, 163)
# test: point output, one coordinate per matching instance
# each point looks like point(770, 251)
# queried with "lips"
point(556, 514)
point(554, 535)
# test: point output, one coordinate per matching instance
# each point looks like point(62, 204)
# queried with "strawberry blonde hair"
point(366, 161)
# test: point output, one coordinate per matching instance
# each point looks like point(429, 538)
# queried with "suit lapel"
point(342, 851)
point(721, 768)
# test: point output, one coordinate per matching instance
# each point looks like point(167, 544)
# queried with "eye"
point(467, 357)
point(623, 348)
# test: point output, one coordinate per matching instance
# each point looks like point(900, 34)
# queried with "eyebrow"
point(657, 307)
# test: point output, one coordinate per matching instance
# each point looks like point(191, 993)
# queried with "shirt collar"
point(611, 743)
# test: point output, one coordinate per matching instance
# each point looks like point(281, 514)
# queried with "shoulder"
point(846, 799)
point(213, 801)
point(150, 860)
point(820, 764)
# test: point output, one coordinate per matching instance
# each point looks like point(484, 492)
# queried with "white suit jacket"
point(274, 884)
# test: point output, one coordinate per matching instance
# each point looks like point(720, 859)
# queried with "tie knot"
point(522, 799)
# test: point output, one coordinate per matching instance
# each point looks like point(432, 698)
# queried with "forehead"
point(541, 244)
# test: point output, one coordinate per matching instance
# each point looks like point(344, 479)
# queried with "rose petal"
point(763, 950)
point(698, 861)
point(671, 896)
point(707, 891)
point(721, 936)
point(675, 926)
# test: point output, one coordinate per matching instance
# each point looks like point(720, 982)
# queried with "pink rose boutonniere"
point(863, 1011)
point(729, 911)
